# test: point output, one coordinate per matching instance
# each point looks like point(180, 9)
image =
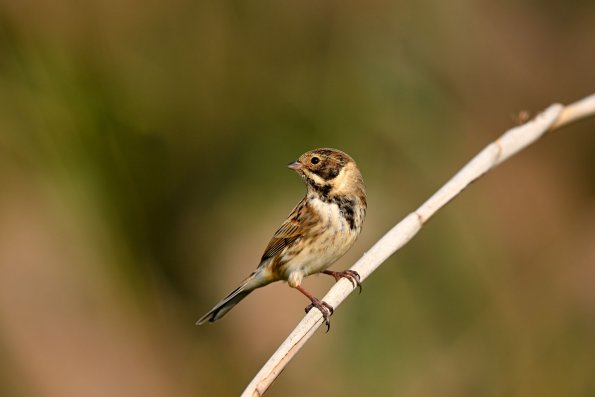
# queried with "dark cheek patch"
point(327, 170)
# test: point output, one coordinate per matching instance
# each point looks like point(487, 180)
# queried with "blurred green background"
point(143, 147)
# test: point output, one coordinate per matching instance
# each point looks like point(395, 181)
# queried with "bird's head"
point(329, 171)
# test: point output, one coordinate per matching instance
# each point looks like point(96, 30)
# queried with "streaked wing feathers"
point(289, 232)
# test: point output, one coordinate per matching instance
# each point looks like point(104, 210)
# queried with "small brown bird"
point(319, 230)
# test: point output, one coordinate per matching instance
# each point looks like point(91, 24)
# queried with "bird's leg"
point(350, 275)
point(326, 309)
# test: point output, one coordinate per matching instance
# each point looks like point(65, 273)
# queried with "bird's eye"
point(315, 160)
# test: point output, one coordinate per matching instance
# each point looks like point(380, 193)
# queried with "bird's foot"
point(324, 308)
point(350, 275)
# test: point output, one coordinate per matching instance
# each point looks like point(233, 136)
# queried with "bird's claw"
point(350, 275)
point(325, 309)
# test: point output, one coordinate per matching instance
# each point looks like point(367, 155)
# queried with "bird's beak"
point(296, 165)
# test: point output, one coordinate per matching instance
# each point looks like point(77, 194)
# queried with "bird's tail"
point(221, 308)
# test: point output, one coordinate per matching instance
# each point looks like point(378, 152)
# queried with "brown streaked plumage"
point(317, 232)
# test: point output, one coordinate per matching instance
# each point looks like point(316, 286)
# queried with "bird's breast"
point(330, 216)
point(324, 242)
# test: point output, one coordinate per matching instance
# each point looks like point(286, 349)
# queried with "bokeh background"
point(143, 147)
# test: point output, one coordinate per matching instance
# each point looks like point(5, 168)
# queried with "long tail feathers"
point(229, 301)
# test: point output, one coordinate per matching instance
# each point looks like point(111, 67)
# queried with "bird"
point(318, 231)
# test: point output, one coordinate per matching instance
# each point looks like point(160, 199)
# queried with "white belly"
point(334, 238)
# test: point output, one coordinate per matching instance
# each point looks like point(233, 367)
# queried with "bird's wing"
point(291, 230)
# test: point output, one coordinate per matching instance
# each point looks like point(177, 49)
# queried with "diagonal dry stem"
point(495, 153)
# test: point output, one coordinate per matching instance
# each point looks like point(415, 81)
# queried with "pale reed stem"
point(495, 153)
